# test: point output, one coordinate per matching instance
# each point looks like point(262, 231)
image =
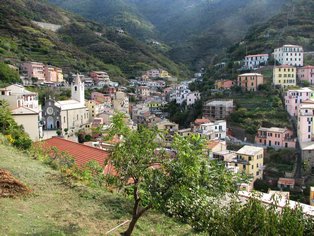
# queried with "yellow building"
point(250, 161)
point(164, 74)
point(312, 196)
point(284, 76)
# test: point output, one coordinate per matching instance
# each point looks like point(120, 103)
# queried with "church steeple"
point(78, 90)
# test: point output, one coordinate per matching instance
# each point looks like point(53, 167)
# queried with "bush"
point(11, 130)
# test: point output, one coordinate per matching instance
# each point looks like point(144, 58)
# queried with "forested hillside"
point(71, 42)
point(195, 30)
point(294, 25)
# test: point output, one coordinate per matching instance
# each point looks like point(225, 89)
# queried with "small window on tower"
point(75, 88)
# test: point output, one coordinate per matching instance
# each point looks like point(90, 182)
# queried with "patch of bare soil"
point(10, 186)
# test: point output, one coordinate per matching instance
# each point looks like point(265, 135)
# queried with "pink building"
point(250, 81)
point(305, 122)
point(101, 98)
point(224, 84)
point(306, 73)
point(53, 74)
point(111, 91)
point(143, 91)
point(293, 98)
point(34, 70)
point(99, 76)
point(255, 61)
point(275, 137)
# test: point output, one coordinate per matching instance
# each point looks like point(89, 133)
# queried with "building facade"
point(250, 160)
point(224, 84)
point(218, 109)
point(250, 81)
point(69, 114)
point(275, 137)
point(306, 73)
point(305, 122)
point(284, 76)
point(255, 61)
point(293, 98)
point(34, 70)
point(289, 55)
point(213, 130)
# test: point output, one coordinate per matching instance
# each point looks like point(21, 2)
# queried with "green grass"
point(58, 207)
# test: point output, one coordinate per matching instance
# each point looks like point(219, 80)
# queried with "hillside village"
point(254, 117)
point(144, 102)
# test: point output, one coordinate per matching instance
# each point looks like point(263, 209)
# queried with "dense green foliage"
point(255, 218)
point(183, 115)
point(79, 45)
point(13, 132)
point(172, 182)
point(194, 29)
point(8, 75)
point(294, 25)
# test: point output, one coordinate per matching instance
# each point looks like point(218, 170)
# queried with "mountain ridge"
point(79, 45)
point(195, 31)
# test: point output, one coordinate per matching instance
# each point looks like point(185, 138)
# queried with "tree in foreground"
point(14, 133)
point(176, 182)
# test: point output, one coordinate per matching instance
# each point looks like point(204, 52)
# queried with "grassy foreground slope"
point(57, 207)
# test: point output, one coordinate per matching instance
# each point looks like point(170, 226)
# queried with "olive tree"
point(175, 181)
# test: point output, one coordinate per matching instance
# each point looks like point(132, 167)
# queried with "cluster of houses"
point(47, 75)
point(286, 74)
point(68, 116)
point(152, 93)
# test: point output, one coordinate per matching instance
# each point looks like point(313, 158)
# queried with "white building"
point(17, 96)
point(294, 97)
point(255, 61)
point(289, 55)
point(305, 122)
point(69, 114)
point(120, 102)
point(24, 108)
point(192, 97)
point(213, 130)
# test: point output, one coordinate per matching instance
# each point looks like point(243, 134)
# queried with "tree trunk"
point(137, 212)
point(130, 229)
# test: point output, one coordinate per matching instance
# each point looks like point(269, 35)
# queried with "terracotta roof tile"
point(82, 154)
point(286, 181)
point(201, 121)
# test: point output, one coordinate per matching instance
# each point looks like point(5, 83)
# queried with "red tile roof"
point(286, 181)
point(257, 55)
point(201, 121)
point(307, 67)
point(82, 154)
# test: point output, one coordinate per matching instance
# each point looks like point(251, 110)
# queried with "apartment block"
point(284, 76)
point(275, 137)
point(306, 73)
point(249, 160)
point(213, 130)
point(305, 122)
point(250, 81)
point(294, 97)
point(218, 109)
point(289, 55)
point(34, 70)
point(255, 61)
point(224, 84)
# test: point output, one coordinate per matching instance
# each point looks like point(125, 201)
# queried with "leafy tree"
point(8, 127)
point(255, 218)
point(8, 75)
point(167, 181)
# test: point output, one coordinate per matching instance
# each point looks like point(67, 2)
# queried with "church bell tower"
point(78, 90)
